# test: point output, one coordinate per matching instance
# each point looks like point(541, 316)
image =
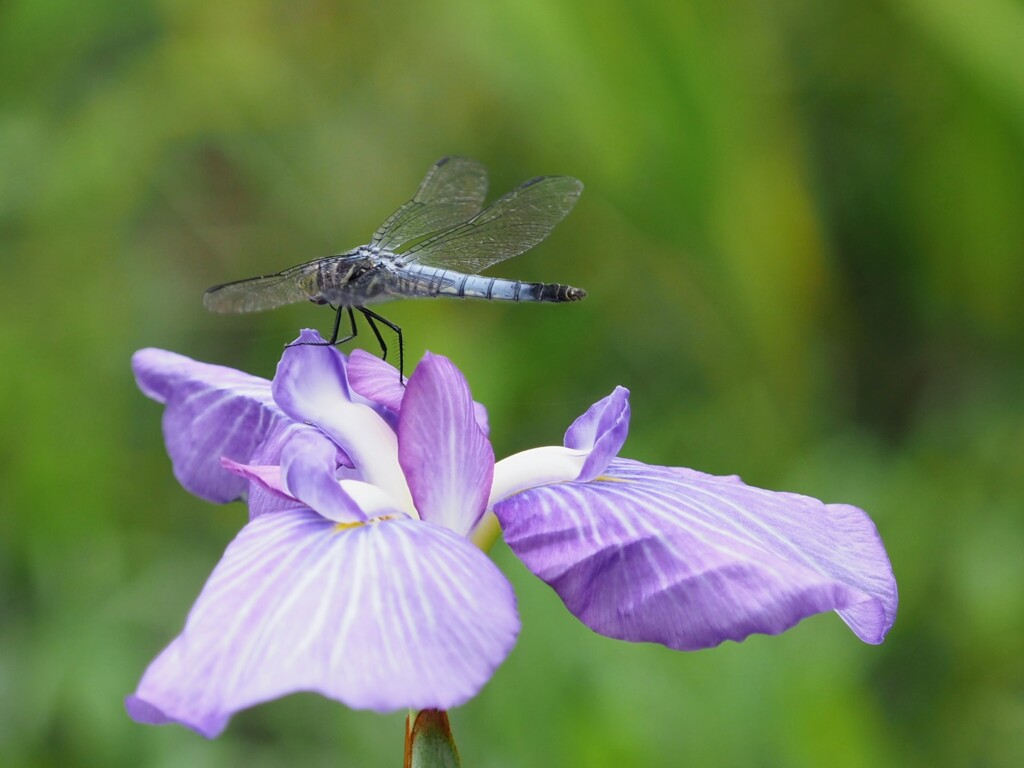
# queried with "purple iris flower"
point(357, 577)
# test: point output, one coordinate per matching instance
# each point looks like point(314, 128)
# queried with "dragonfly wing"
point(453, 190)
point(265, 292)
point(513, 224)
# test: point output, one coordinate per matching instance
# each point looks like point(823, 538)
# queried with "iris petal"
point(212, 412)
point(309, 465)
point(600, 431)
point(592, 441)
point(689, 560)
point(446, 457)
point(265, 476)
point(311, 386)
point(384, 616)
point(310, 377)
point(269, 494)
point(377, 381)
point(534, 467)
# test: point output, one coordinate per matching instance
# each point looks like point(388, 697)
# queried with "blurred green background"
point(803, 240)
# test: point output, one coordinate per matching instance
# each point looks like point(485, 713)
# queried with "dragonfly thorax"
point(352, 279)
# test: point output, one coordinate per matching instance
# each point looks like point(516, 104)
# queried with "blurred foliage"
point(803, 239)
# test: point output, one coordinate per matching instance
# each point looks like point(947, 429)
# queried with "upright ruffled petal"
point(211, 412)
point(689, 560)
point(592, 441)
point(446, 457)
point(600, 431)
point(384, 616)
point(377, 381)
point(311, 386)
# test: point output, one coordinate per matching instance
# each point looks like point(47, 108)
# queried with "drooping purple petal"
point(309, 465)
point(211, 412)
point(383, 616)
point(689, 560)
point(263, 496)
point(447, 459)
point(601, 430)
point(377, 381)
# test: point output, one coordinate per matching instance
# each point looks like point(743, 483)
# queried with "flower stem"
point(428, 741)
point(486, 531)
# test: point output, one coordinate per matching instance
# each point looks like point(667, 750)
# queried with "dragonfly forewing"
point(453, 191)
point(510, 226)
point(256, 294)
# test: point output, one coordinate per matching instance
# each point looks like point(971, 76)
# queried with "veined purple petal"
point(377, 381)
point(689, 560)
point(311, 386)
point(211, 412)
point(482, 420)
point(601, 431)
point(383, 616)
point(446, 457)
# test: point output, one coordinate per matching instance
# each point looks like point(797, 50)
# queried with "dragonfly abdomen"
point(444, 282)
point(515, 290)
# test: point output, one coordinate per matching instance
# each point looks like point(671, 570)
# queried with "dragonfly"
point(433, 246)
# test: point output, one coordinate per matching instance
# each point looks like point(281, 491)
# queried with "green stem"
point(428, 741)
point(486, 531)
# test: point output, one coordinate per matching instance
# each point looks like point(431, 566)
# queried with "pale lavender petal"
point(377, 381)
point(601, 431)
point(592, 441)
point(447, 459)
point(311, 385)
point(384, 616)
point(309, 466)
point(310, 378)
point(371, 500)
point(689, 560)
point(534, 467)
point(211, 412)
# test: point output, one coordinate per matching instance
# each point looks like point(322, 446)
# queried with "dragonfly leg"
point(370, 316)
point(352, 333)
point(334, 333)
